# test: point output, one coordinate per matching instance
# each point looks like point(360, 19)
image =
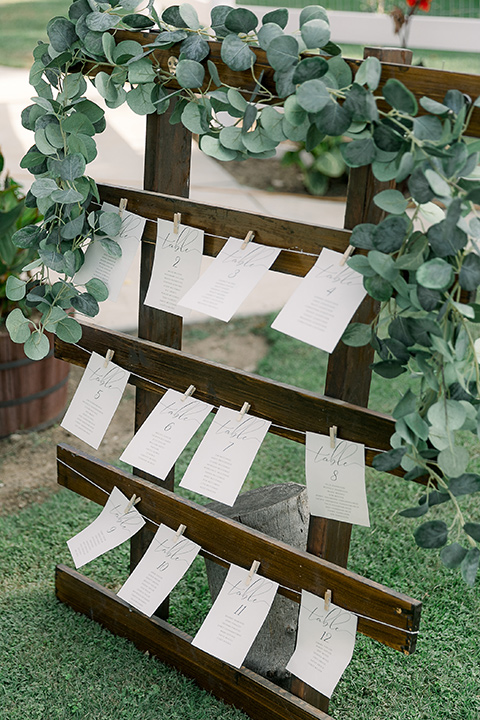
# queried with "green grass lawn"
point(57, 665)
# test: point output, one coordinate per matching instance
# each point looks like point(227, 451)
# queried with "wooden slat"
point(420, 80)
point(258, 697)
point(301, 242)
point(292, 410)
point(235, 543)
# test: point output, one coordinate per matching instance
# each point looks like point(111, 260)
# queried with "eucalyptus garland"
point(420, 266)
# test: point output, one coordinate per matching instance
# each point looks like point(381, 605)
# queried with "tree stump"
point(280, 511)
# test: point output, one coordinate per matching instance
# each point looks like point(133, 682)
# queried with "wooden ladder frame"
point(156, 358)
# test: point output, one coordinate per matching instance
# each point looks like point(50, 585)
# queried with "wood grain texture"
point(386, 615)
point(301, 243)
point(259, 698)
point(292, 410)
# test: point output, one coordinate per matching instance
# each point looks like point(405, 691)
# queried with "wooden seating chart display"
point(156, 362)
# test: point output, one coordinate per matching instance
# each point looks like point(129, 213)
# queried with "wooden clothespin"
point(134, 500)
point(188, 392)
point(328, 598)
point(108, 357)
point(333, 436)
point(346, 255)
point(122, 205)
point(249, 236)
point(177, 219)
point(179, 533)
point(245, 409)
point(252, 571)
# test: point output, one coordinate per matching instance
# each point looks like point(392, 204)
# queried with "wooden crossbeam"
point(301, 243)
point(291, 410)
point(255, 695)
point(385, 615)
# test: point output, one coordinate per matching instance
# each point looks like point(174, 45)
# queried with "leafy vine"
point(421, 266)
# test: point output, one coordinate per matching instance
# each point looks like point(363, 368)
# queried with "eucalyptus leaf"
point(333, 119)
point(390, 460)
point(139, 99)
point(431, 534)
point(61, 33)
point(389, 235)
point(195, 47)
point(369, 73)
point(435, 274)
point(358, 152)
point(279, 17)
point(469, 276)
point(400, 97)
point(97, 288)
point(392, 201)
point(453, 461)
point(465, 484)
point(282, 52)
point(241, 20)
point(312, 12)
point(86, 304)
point(137, 21)
point(235, 53)
point(110, 246)
point(452, 555)
point(315, 33)
point(190, 16)
point(357, 335)
point(469, 566)
point(267, 33)
point(69, 330)
point(213, 147)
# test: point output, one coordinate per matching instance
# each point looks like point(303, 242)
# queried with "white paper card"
point(160, 569)
point(325, 642)
point(165, 433)
point(111, 528)
point(323, 304)
point(95, 401)
point(223, 459)
point(99, 264)
point(236, 616)
point(230, 278)
point(336, 479)
point(176, 266)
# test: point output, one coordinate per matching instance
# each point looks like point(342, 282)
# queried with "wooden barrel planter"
point(33, 394)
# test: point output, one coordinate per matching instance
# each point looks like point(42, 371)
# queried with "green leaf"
point(435, 274)
point(43, 187)
point(369, 73)
point(70, 168)
point(100, 21)
point(469, 566)
point(465, 484)
point(18, 326)
point(86, 304)
point(236, 99)
point(272, 121)
point(388, 368)
point(358, 152)
point(69, 330)
point(417, 425)
point(417, 511)
point(66, 197)
point(313, 95)
point(405, 168)
point(267, 33)
point(446, 240)
point(212, 69)
point(310, 68)
point(171, 15)
point(362, 236)
point(138, 22)
point(78, 123)
point(97, 288)
point(110, 246)
point(232, 138)
point(390, 233)
point(452, 555)
point(315, 33)
point(473, 529)
point(61, 33)
point(37, 346)
point(433, 107)
point(218, 15)
point(447, 413)
point(294, 113)
point(258, 140)
point(400, 97)
point(108, 45)
point(234, 53)
point(453, 461)
point(141, 71)
point(139, 99)
point(388, 460)
point(282, 53)
point(189, 15)
point(419, 186)
point(195, 48)
point(469, 276)
point(280, 17)
point(361, 264)
point(405, 406)
point(384, 265)
point(27, 237)
point(194, 118)
point(283, 81)
point(241, 20)
point(427, 128)
point(15, 288)
point(357, 335)
point(392, 201)
point(312, 12)
point(73, 228)
point(110, 223)
point(333, 119)
point(213, 147)
point(431, 534)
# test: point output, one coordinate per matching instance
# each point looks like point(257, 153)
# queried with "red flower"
point(421, 4)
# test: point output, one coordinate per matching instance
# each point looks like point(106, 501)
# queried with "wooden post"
point(166, 170)
point(348, 372)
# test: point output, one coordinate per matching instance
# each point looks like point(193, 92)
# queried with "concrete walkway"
point(120, 162)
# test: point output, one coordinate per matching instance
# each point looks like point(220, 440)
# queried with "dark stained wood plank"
point(292, 409)
point(236, 543)
point(301, 242)
point(244, 689)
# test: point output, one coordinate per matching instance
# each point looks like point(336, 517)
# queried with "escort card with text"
point(165, 433)
point(230, 278)
point(176, 266)
point(325, 642)
point(95, 401)
point(111, 528)
point(236, 616)
point(112, 270)
point(323, 304)
point(223, 459)
point(336, 479)
point(160, 569)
